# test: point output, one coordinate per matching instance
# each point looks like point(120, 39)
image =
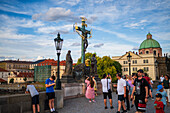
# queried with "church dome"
point(149, 43)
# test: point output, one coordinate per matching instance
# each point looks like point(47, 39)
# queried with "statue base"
point(67, 79)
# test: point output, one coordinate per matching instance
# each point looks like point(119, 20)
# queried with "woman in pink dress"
point(90, 94)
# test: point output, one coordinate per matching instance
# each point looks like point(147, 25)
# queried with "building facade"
point(48, 68)
point(142, 61)
point(149, 59)
point(13, 65)
point(35, 63)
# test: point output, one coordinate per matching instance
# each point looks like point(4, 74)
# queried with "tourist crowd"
point(132, 90)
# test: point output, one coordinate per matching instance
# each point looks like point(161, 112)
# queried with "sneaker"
point(90, 101)
point(53, 109)
point(111, 107)
point(132, 106)
point(94, 101)
point(106, 107)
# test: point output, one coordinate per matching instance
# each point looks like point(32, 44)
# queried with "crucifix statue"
point(84, 35)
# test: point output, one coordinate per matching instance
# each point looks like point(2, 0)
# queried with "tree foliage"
point(105, 65)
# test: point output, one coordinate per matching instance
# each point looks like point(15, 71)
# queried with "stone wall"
point(21, 103)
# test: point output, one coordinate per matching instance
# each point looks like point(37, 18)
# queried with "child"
point(158, 104)
point(164, 95)
point(35, 97)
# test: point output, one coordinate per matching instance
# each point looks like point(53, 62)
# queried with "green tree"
point(87, 56)
point(105, 65)
point(11, 80)
point(25, 79)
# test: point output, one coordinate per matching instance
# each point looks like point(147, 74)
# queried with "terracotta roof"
point(24, 74)
point(3, 70)
point(2, 80)
point(62, 63)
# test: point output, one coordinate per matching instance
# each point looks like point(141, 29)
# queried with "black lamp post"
point(156, 65)
point(129, 60)
point(58, 44)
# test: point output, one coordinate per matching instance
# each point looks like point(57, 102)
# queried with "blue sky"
point(28, 27)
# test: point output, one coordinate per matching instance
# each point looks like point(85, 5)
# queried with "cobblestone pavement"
point(81, 105)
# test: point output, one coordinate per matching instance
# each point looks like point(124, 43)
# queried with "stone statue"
point(93, 64)
point(69, 64)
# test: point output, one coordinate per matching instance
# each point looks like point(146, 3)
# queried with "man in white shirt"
point(106, 90)
point(121, 90)
point(162, 78)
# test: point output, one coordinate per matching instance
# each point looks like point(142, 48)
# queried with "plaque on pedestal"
point(67, 79)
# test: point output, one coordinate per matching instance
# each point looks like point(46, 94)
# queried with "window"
point(154, 52)
point(125, 69)
point(145, 61)
point(147, 52)
point(134, 61)
point(125, 62)
point(134, 68)
point(146, 68)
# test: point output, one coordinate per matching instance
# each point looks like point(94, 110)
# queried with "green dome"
point(149, 43)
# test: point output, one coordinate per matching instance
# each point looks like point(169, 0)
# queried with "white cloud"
point(17, 22)
point(55, 29)
point(56, 14)
point(10, 33)
point(40, 58)
point(136, 25)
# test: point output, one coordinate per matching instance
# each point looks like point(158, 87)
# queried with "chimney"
point(164, 54)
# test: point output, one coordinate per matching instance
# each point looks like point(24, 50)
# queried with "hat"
point(140, 70)
point(158, 95)
point(159, 87)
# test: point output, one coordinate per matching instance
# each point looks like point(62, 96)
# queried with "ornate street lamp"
point(156, 65)
point(129, 60)
point(58, 44)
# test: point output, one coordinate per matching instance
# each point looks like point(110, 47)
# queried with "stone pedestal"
point(67, 79)
point(73, 90)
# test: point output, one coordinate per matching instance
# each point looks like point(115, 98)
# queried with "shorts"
point(50, 95)
point(121, 98)
point(107, 94)
point(140, 104)
point(35, 99)
point(149, 86)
